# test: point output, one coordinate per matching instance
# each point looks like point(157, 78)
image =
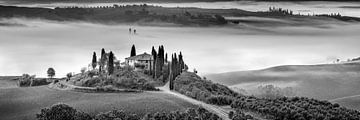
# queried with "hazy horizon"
point(68, 46)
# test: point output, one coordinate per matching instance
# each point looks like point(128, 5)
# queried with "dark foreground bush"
point(65, 112)
point(238, 115)
point(62, 112)
point(116, 115)
point(190, 114)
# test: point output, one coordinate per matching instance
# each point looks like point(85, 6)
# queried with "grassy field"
point(24, 103)
point(352, 102)
point(8, 81)
point(329, 81)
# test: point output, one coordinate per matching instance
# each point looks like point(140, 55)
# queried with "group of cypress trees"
point(162, 67)
point(157, 66)
point(176, 67)
point(105, 58)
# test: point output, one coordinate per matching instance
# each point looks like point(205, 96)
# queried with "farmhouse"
point(141, 61)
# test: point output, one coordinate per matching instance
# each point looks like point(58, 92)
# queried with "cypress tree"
point(171, 75)
point(181, 62)
point(94, 61)
point(166, 57)
point(111, 63)
point(159, 62)
point(162, 57)
point(102, 59)
point(175, 66)
point(133, 51)
point(154, 54)
point(157, 67)
point(172, 67)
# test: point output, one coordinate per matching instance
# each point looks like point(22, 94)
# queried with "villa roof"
point(140, 57)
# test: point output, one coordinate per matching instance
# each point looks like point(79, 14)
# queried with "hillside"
point(153, 15)
point(8, 81)
point(327, 81)
point(352, 102)
point(23, 103)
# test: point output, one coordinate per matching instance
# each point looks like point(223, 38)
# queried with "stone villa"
point(141, 61)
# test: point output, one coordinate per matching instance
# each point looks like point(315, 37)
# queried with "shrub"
point(116, 114)
point(220, 100)
point(61, 112)
point(296, 108)
point(65, 112)
point(27, 80)
point(193, 86)
point(38, 82)
point(231, 114)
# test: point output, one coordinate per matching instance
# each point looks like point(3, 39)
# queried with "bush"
point(65, 112)
point(220, 100)
point(38, 82)
point(193, 86)
point(61, 112)
point(26, 80)
point(296, 108)
point(116, 114)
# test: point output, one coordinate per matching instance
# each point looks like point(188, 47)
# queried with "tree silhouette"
point(166, 57)
point(111, 63)
point(68, 76)
point(154, 54)
point(181, 62)
point(133, 51)
point(94, 61)
point(51, 72)
point(102, 59)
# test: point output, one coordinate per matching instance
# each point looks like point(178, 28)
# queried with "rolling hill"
point(8, 81)
point(325, 81)
point(24, 103)
point(352, 102)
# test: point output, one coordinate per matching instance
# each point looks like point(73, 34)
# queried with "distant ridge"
point(323, 81)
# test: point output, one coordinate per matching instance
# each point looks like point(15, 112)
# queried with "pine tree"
point(133, 51)
point(94, 61)
point(110, 66)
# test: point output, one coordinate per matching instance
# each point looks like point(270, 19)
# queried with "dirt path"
point(222, 113)
point(336, 99)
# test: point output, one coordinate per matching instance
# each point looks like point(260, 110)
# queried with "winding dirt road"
point(222, 113)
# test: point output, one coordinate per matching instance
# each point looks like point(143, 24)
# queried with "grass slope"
point(23, 103)
point(352, 102)
point(328, 81)
point(8, 81)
